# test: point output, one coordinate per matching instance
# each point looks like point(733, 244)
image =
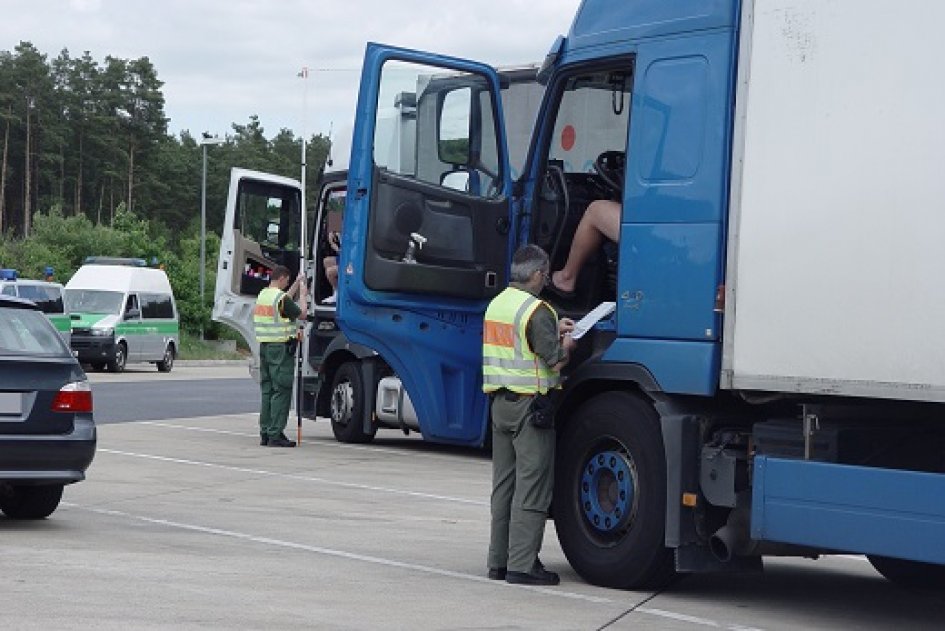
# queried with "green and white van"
point(122, 312)
point(46, 295)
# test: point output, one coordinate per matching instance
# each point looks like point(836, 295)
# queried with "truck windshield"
point(94, 301)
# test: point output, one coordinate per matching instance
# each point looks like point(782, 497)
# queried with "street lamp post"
point(203, 142)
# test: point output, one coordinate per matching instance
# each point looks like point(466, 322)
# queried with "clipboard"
point(597, 314)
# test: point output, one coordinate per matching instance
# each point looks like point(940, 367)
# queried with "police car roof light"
point(7, 274)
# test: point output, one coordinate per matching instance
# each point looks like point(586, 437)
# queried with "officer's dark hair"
point(527, 260)
point(279, 271)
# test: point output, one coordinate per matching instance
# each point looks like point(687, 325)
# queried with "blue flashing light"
point(7, 274)
point(115, 260)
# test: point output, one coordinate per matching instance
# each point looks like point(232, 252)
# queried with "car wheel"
point(610, 493)
point(167, 363)
point(347, 405)
point(909, 573)
point(30, 502)
point(121, 358)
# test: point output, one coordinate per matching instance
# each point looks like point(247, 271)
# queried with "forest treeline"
point(85, 148)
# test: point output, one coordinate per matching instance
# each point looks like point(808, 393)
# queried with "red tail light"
point(74, 397)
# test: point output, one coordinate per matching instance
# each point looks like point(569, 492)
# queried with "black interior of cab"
point(330, 213)
point(563, 198)
point(570, 183)
point(462, 254)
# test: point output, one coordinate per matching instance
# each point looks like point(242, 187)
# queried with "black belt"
point(508, 395)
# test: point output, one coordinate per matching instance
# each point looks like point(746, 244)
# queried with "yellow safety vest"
point(507, 360)
point(268, 321)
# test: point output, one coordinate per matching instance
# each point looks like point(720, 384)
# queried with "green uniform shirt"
point(289, 309)
point(543, 337)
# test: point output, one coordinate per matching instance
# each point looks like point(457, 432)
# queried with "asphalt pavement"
point(190, 390)
point(186, 523)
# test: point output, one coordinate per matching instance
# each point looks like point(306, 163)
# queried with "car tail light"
point(74, 397)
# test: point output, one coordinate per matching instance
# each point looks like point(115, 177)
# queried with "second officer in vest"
point(274, 322)
point(524, 348)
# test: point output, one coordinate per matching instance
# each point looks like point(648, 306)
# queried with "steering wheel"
point(610, 166)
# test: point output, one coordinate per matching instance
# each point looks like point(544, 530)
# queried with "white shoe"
point(330, 300)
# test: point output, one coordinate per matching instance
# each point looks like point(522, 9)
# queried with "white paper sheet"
point(585, 324)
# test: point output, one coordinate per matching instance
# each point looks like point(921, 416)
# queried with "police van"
point(46, 295)
point(122, 311)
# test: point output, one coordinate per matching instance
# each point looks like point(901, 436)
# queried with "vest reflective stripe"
point(507, 360)
point(268, 323)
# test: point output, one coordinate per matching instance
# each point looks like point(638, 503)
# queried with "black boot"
point(538, 576)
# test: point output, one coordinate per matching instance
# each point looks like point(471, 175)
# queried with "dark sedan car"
point(47, 435)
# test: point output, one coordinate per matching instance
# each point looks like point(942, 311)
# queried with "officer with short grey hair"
point(524, 348)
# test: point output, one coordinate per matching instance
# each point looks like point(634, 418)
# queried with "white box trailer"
point(836, 240)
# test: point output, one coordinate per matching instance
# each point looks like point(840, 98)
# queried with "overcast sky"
point(224, 60)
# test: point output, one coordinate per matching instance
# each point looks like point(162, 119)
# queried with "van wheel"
point(610, 493)
point(30, 502)
point(167, 363)
point(347, 405)
point(121, 358)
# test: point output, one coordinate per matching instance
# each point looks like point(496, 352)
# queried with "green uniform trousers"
point(276, 374)
point(522, 482)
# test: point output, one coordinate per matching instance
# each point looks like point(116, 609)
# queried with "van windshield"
point(94, 301)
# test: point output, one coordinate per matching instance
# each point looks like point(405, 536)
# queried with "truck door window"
point(269, 218)
point(437, 126)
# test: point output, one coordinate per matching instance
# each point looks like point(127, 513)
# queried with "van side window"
point(131, 304)
point(156, 306)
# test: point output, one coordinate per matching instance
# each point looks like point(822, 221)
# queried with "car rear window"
point(28, 332)
point(47, 297)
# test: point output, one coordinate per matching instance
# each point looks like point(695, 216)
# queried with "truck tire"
point(347, 405)
point(610, 494)
point(31, 501)
point(910, 573)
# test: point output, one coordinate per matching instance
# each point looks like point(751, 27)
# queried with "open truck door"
point(260, 231)
point(427, 229)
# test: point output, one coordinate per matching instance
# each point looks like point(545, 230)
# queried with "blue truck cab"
point(636, 109)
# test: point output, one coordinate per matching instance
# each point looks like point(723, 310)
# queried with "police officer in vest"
point(524, 348)
point(274, 321)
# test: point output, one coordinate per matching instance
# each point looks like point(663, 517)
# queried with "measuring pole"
point(303, 234)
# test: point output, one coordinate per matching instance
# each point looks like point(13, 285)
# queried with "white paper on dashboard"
point(586, 323)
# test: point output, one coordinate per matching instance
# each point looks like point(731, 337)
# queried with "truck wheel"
point(31, 502)
point(167, 363)
point(347, 405)
point(121, 358)
point(610, 493)
point(910, 573)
